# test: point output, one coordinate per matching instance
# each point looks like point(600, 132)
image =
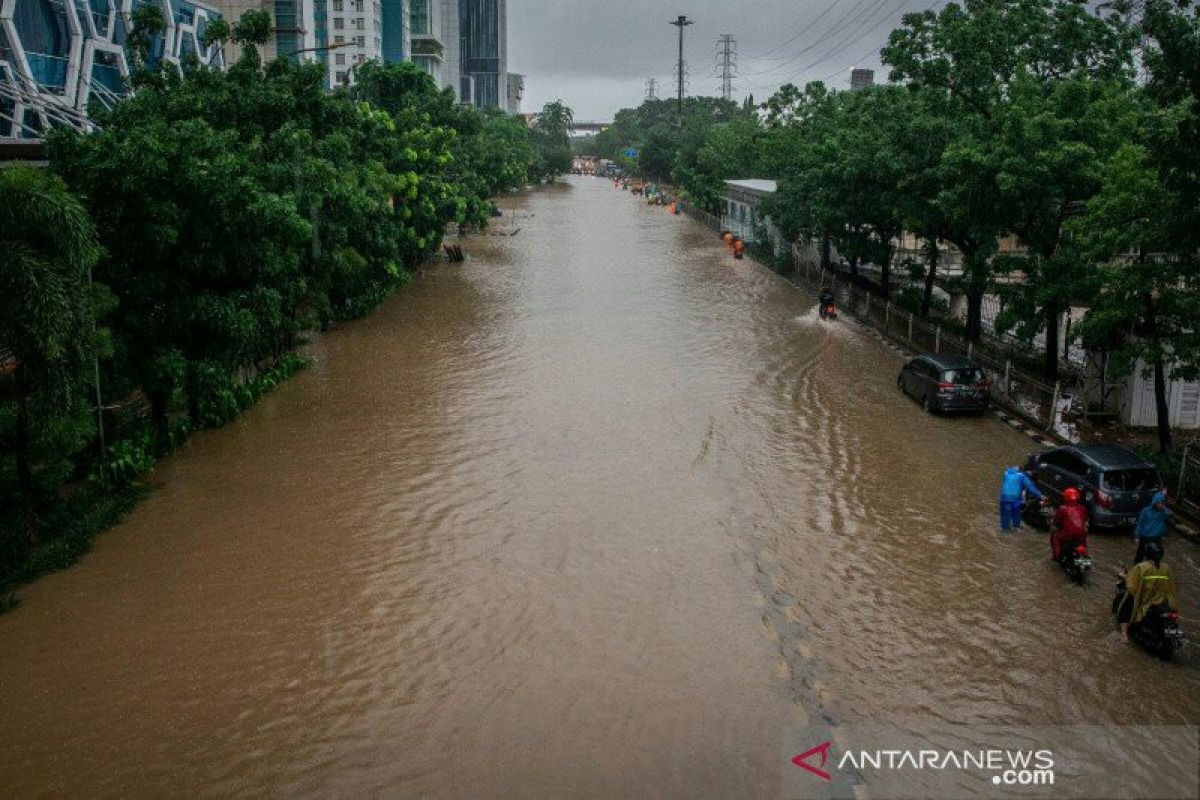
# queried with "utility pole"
point(681, 22)
point(651, 88)
point(727, 63)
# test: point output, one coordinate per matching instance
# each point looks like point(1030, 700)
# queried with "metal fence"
point(1186, 491)
point(710, 221)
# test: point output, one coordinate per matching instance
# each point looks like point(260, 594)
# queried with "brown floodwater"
point(600, 512)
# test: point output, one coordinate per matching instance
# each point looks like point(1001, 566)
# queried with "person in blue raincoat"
point(1012, 497)
point(1151, 525)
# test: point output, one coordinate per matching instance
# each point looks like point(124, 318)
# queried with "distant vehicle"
point(1115, 482)
point(941, 382)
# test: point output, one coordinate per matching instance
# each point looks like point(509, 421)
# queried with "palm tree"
point(47, 248)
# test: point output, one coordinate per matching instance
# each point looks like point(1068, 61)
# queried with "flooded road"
point(601, 512)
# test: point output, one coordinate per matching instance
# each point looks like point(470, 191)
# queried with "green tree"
point(971, 54)
point(46, 318)
point(1052, 138)
point(551, 140)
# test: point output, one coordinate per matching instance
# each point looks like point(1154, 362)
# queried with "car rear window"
point(1131, 480)
point(964, 376)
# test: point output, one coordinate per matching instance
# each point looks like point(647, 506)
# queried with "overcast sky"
point(597, 54)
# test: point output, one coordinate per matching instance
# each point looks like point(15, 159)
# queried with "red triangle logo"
point(801, 760)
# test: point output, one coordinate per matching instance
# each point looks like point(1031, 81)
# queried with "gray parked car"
point(942, 382)
point(1115, 482)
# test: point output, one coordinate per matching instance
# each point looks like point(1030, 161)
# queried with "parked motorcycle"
point(1037, 514)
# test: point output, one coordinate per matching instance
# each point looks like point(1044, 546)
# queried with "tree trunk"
point(825, 253)
point(1050, 366)
point(24, 471)
point(885, 274)
point(931, 264)
point(976, 286)
point(1162, 410)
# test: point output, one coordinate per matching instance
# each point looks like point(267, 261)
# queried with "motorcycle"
point(1037, 514)
point(1076, 563)
point(1159, 630)
point(827, 310)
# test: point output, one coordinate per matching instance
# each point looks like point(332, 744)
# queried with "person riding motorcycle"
point(1151, 525)
point(1148, 584)
point(1070, 525)
point(825, 299)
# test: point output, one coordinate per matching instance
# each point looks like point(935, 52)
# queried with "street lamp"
point(317, 49)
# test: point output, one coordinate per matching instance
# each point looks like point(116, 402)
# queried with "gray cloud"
point(596, 54)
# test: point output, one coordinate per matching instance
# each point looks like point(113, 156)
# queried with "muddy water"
point(601, 512)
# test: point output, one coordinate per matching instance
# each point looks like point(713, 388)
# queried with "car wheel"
point(900, 384)
point(925, 405)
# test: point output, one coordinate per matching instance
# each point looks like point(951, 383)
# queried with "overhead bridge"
point(588, 128)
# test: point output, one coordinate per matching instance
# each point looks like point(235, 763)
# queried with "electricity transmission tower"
point(681, 67)
point(727, 63)
point(651, 89)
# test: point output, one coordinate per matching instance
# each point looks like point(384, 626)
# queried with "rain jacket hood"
point(1015, 484)
point(1152, 522)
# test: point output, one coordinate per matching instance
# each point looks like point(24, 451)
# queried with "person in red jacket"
point(1070, 524)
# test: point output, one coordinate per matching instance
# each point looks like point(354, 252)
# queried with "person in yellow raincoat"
point(1147, 584)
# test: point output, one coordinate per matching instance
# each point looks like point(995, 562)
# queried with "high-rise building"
point(516, 91)
point(354, 34)
point(431, 26)
point(59, 59)
point(861, 78)
point(483, 37)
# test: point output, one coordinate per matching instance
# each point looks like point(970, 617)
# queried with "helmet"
point(1071, 496)
point(1154, 552)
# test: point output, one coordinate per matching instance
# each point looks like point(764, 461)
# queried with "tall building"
point(516, 92)
point(394, 16)
point(483, 37)
point(293, 32)
point(354, 34)
point(433, 26)
point(56, 58)
point(861, 78)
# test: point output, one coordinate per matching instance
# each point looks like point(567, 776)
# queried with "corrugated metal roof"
point(754, 185)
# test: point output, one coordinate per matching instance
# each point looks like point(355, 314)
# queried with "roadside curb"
point(1020, 425)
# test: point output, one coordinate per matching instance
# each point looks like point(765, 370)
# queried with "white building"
point(516, 92)
point(354, 31)
point(434, 33)
point(741, 208)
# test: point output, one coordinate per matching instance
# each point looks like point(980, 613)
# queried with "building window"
point(339, 40)
point(358, 5)
point(338, 5)
point(360, 24)
point(341, 77)
point(360, 58)
point(419, 20)
point(340, 59)
point(339, 23)
point(362, 41)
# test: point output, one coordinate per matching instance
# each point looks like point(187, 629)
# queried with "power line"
point(853, 15)
point(853, 39)
point(727, 63)
point(805, 29)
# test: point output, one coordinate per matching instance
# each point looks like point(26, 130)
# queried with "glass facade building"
point(483, 35)
point(59, 56)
